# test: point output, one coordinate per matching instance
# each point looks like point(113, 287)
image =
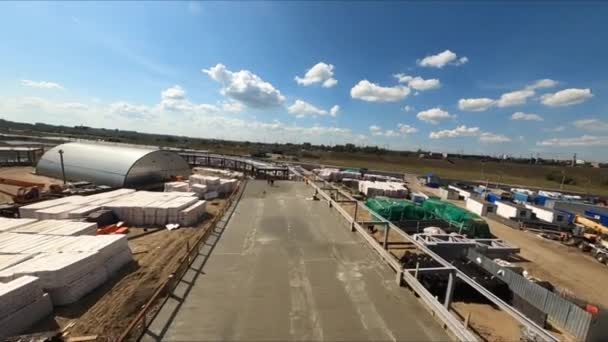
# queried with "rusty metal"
point(169, 284)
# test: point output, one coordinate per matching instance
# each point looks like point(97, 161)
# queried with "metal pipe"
point(62, 167)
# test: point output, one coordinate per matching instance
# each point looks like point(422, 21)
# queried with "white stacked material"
point(328, 174)
point(8, 224)
point(68, 266)
point(8, 260)
point(176, 186)
point(199, 189)
point(192, 214)
point(57, 212)
point(211, 195)
point(196, 179)
point(176, 205)
point(22, 303)
point(226, 186)
point(82, 212)
point(220, 172)
point(523, 191)
point(29, 211)
point(389, 189)
point(58, 227)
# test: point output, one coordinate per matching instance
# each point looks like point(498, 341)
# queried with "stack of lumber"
point(22, 304)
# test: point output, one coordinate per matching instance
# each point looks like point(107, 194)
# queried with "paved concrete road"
point(287, 268)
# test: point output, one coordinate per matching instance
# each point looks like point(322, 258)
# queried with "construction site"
point(114, 242)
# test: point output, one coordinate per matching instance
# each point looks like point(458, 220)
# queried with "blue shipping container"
point(520, 197)
point(603, 218)
point(492, 197)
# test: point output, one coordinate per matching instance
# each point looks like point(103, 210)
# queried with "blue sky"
point(479, 78)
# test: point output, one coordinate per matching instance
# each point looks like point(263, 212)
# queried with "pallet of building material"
point(117, 261)
point(54, 269)
point(14, 243)
point(211, 195)
point(192, 214)
point(177, 186)
point(18, 293)
point(77, 289)
point(57, 212)
point(29, 211)
point(82, 212)
point(199, 189)
point(18, 321)
point(58, 227)
point(8, 260)
point(8, 224)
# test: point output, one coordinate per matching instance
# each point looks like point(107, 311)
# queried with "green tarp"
point(468, 223)
point(398, 210)
point(462, 220)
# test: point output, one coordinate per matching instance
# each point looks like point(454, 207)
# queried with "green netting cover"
point(398, 210)
point(468, 223)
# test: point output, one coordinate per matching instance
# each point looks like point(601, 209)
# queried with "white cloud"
point(408, 108)
point(515, 98)
point(460, 131)
point(566, 97)
point(544, 83)
point(402, 130)
point(233, 107)
point(555, 129)
point(371, 92)
point(526, 116)
point(334, 110)
point(492, 138)
point(418, 83)
point(320, 73)
point(74, 106)
point(406, 129)
point(41, 84)
point(302, 109)
point(434, 115)
point(584, 141)
point(375, 130)
point(246, 87)
point(442, 59)
point(475, 105)
point(129, 110)
point(593, 125)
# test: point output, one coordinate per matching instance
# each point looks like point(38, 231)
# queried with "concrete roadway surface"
point(287, 268)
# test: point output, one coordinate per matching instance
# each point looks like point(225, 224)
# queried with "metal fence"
point(560, 311)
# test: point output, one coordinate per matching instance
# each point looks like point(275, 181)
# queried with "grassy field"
point(586, 179)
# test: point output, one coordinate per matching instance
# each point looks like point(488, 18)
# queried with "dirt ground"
point(109, 309)
point(22, 173)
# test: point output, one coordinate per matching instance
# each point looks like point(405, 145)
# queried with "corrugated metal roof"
point(104, 163)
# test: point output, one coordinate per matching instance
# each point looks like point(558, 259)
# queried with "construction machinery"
point(589, 236)
point(28, 192)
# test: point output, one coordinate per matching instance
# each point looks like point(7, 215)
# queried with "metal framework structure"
point(248, 166)
point(454, 325)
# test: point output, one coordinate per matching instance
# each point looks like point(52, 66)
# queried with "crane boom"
point(592, 225)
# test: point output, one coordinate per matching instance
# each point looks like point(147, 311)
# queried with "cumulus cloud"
point(526, 116)
point(593, 125)
point(493, 138)
point(406, 129)
point(515, 98)
point(408, 108)
point(434, 115)
point(418, 83)
point(320, 73)
point(371, 92)
point(246, 87)
point(302, 109)
point(41, 84)
point(555, 129)
point(583, 141)
point(460, 131)
point(544, 83)
point(442, 59)
point(475, 105)
point(124, 108)
point(566, 97)
point(402, 130)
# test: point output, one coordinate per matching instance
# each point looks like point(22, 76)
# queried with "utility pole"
point(561, 186)
point(62, 166)
point(574, 160)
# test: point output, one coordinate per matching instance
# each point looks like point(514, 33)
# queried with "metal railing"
point(140, 323)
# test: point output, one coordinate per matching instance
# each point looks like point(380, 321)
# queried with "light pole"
point(62, 166)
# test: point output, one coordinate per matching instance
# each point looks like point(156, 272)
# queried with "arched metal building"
point(112, 165)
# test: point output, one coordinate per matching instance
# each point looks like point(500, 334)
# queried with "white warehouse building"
point(479, 206)
point(512, 211)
